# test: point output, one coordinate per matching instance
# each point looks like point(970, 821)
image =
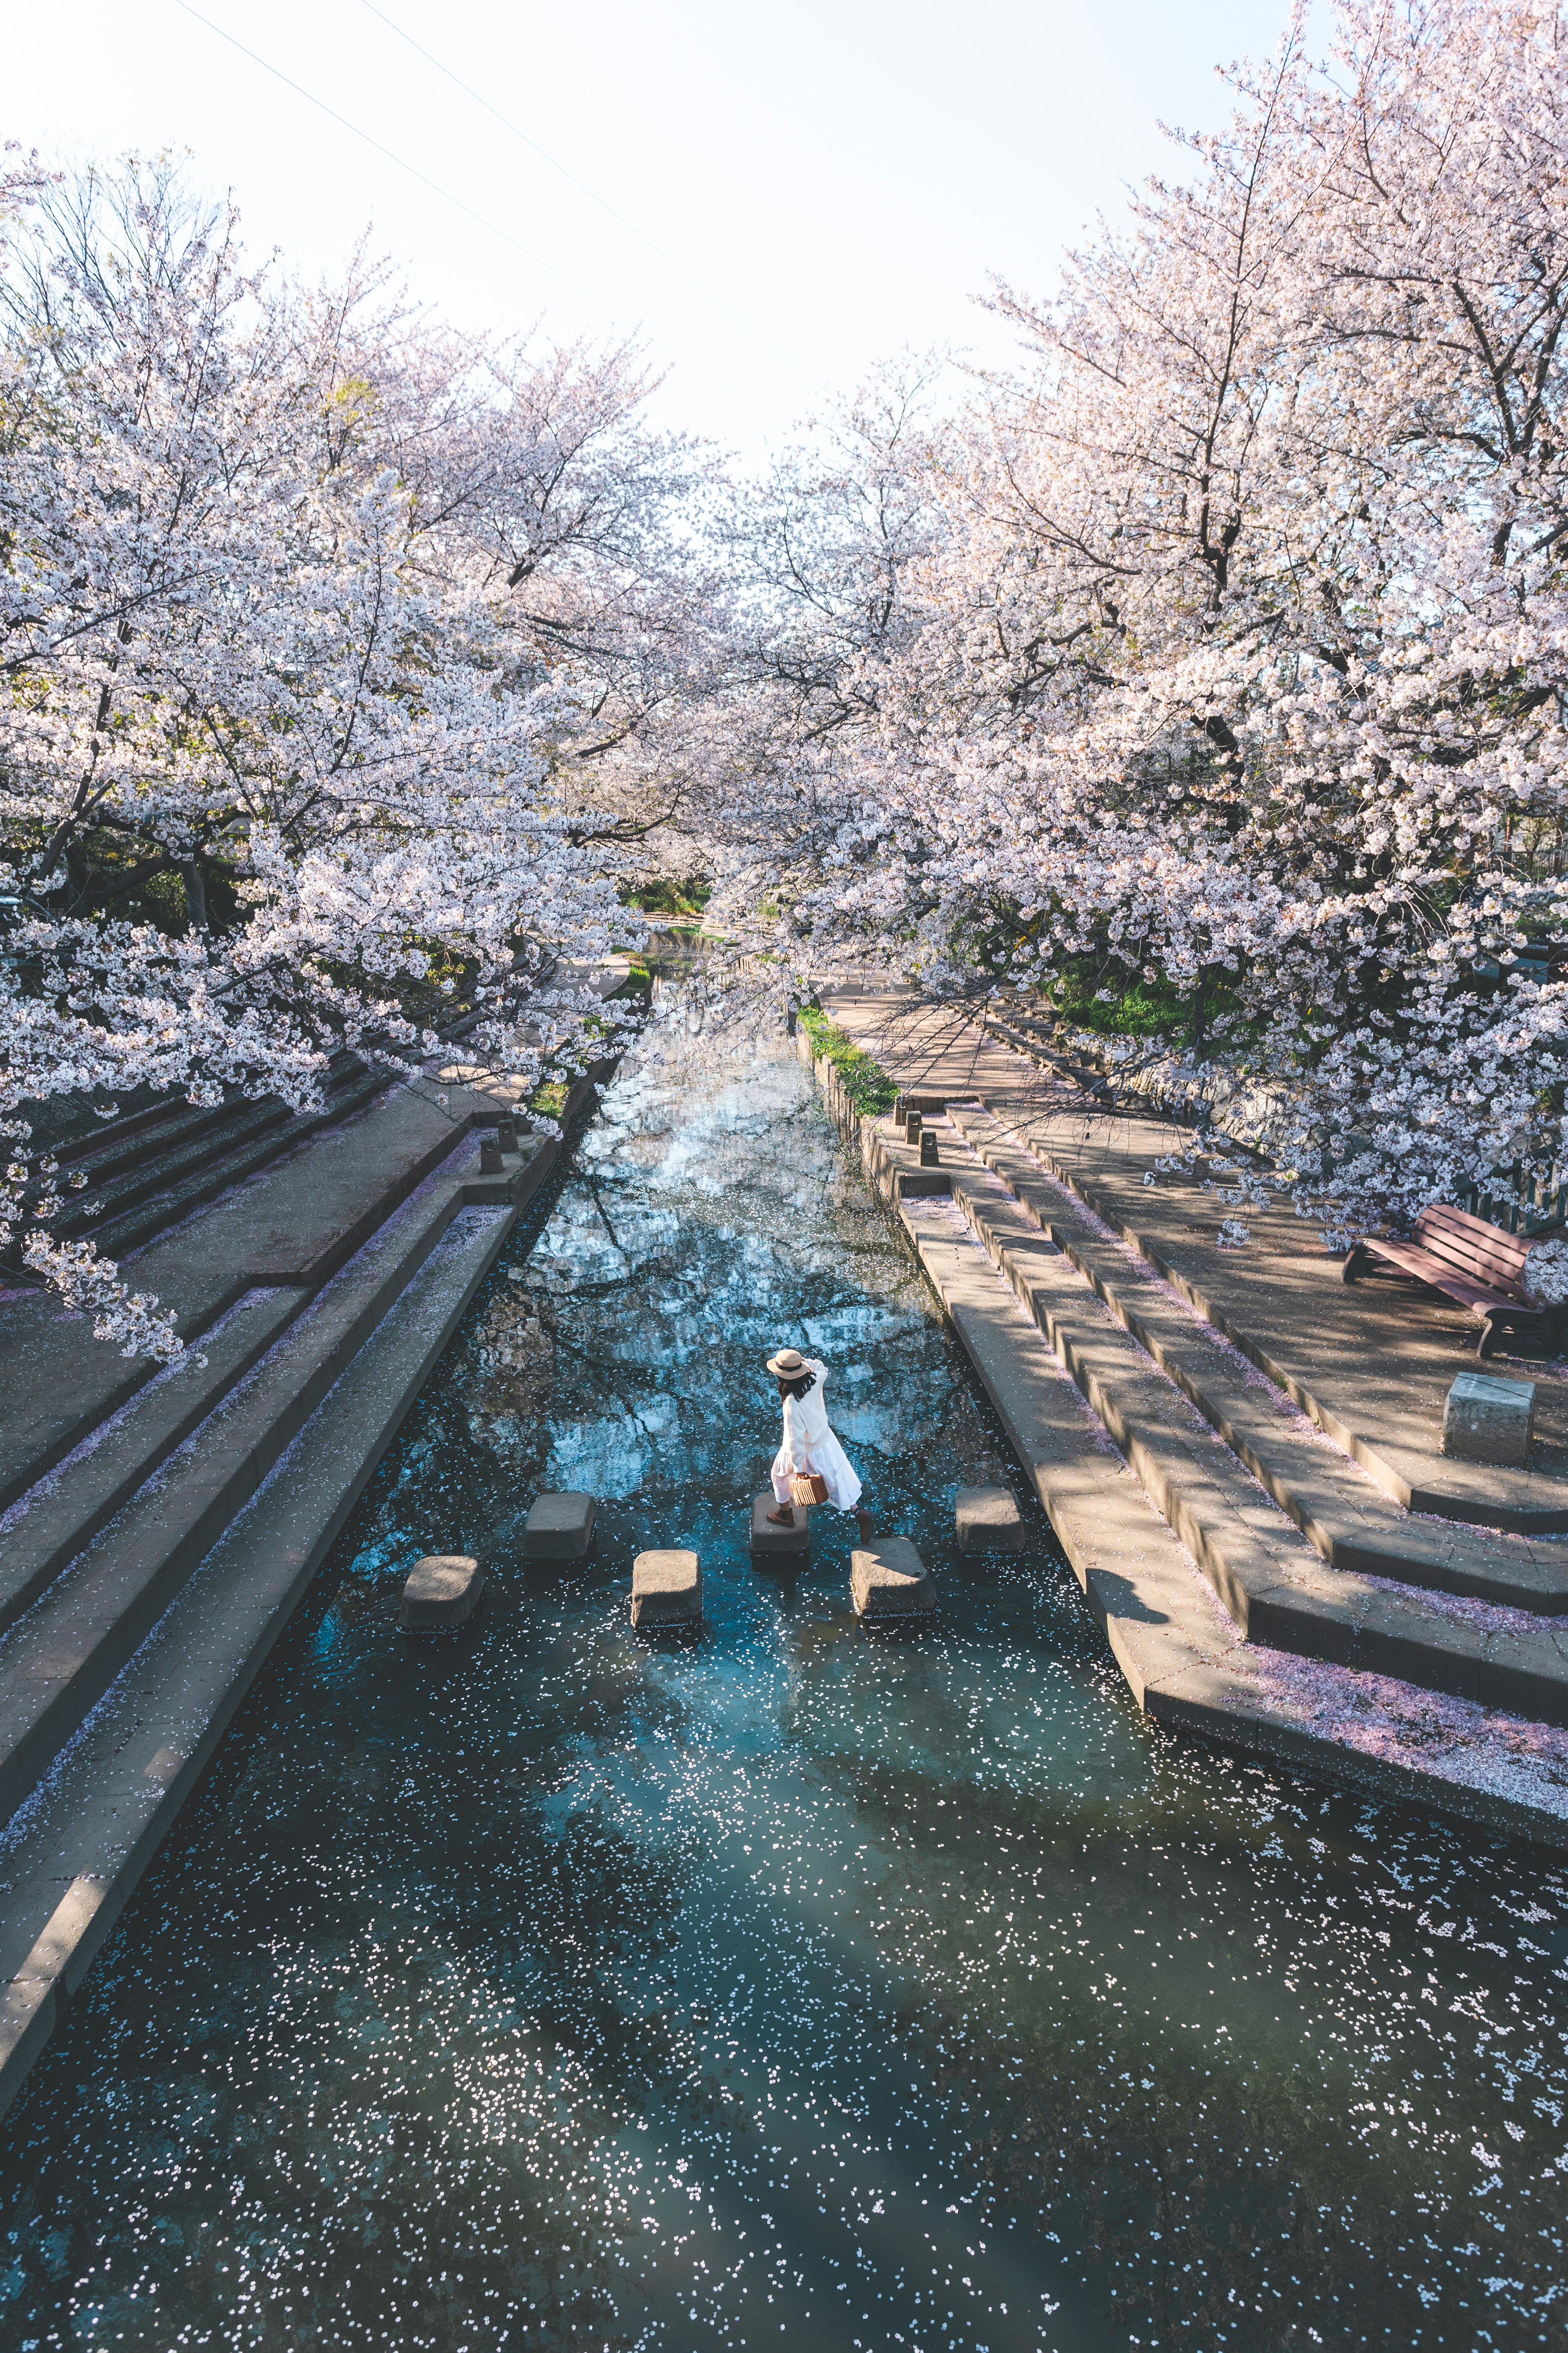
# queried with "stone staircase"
point(159, 1532)
point(1349, 1521)
point(115, 1772)
point(147, 1171)
point(124, 1181)
point(86, 1569)
point(1306, 1553)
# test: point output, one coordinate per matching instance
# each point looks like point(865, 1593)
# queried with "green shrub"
point(1138, 1007)
point(549, 1098)
point(667, 895)
point(865, 1084)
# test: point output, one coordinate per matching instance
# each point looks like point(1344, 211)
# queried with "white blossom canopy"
point(340, 645)
point(1226, 655)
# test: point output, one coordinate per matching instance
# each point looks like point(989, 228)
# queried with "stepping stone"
point(770, 1542)
point(987, 1520)
point(888, 1579)
point(1486, 1420)
point(559, 1527)
point(666, 1588)
point(442, 1589)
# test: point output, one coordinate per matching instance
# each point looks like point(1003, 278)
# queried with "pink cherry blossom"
point(377, 632)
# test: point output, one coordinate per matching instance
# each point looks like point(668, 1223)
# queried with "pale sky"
point(837, 180)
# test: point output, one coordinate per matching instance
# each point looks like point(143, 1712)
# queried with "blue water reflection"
point(542, 1986)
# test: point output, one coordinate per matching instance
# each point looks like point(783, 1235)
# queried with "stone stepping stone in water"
point(987, 1520)
point(559, 1527)
point(442, 1589)
point(887, 1578)
point(770, 1542)
point(666, 1588)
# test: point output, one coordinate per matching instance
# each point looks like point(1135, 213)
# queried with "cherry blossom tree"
point(338, 642)
point(803, 738)
point(1237, 658)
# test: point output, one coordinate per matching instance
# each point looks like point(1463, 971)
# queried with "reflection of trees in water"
point(514, 1356)
point(645, 1292)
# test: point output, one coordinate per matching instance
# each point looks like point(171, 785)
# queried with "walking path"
point(1257, 1580)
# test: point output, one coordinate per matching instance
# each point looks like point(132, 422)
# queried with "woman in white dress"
point(808, 1443)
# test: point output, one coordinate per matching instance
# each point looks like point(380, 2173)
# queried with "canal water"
point(541, 1987)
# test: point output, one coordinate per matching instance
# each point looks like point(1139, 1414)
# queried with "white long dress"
point(810, 1445)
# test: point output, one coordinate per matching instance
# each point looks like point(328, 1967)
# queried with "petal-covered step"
point(1349, 1519)
point(1274, 1583)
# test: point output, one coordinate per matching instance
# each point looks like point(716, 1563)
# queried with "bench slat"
point(1468, 1220)
point(1421, 1264)
point(1463, 1251)
point(1471, 1233)
point(1505, 1265)
point(1473, 1247)
point(1466, 1289)
point(1463, 1222)
point(1501, 1274)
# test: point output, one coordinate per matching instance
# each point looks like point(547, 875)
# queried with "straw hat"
point(788, 1365)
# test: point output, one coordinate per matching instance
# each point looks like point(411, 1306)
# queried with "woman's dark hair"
point(798, 1388)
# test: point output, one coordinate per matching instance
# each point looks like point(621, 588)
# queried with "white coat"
point(810, 1445)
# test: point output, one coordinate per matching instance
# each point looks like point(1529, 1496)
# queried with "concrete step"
point(57, 1659)
point(291, 1225)
point(137, 1159)
point(188, 1151)
point(68, 1862)
point(1168, 1638)
point(1274, 1583)
point(1346, 1516)
point(1039, 1043)
point(1370, 1368)
point(115, 1156)
point(128, 1222)
point(123, 1144)
point(57, 1517)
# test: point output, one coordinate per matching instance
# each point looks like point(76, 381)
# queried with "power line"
point(448, 197)
point(591, 194)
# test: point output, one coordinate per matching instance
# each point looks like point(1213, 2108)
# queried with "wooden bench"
point(1475, 1263)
